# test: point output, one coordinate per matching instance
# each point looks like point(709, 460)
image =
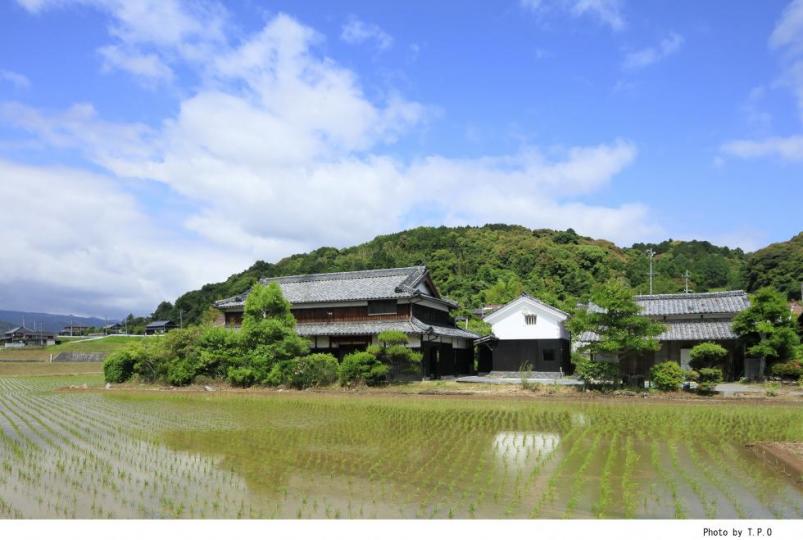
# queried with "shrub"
point(709, 378)
point(119, 366)
point(304, 372)
point(596, 372)
point(241, 376)
point(180, 372)
point(693, 375)
point(772, 389)
point(788, 370)
point(711, 375)
point(392, 337)
point(706, 355)
point(361, 368)
point(667, 376)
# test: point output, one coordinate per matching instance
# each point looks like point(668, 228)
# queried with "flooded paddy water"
point(97, 454)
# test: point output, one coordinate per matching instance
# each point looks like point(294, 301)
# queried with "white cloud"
point(147, 65)
point(788, 30)
point(607, 12)
point(787, 148)
point(77, 243)
point(279, 150)
point(650, 55)
point(356, 31)
point(787, 37)
point(150, 33)
point(17, 79)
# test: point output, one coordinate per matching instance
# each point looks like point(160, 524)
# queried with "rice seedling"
point(129, 454)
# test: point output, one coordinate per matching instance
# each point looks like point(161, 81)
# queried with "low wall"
point(79, 357)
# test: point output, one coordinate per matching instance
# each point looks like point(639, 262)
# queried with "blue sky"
point(149, 147)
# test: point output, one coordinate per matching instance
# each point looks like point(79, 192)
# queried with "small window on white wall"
point(530, 318)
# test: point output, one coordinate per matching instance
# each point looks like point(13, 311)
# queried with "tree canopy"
point(617, 322)
point(767, 326)
point(495, 263)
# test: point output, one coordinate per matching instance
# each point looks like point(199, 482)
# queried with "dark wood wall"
point(333, 314)
point(432, 316)
point(352, 313)
point(510, 354)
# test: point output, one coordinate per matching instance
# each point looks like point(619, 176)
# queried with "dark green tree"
point(767, 327)
point(268, 333)
point(616, 320)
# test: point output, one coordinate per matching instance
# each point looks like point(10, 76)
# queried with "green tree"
point(707, 355)
point(393, 351)
point(616, 320)
point(163, 312)
point(504, 290)
point(767, 327)
point(268, 332)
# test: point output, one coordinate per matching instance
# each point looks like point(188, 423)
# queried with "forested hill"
point(778, 265)
point(494, 263)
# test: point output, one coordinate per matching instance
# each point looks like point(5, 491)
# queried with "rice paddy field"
point(94, 453)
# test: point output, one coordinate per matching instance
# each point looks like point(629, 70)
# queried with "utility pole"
point(180, 318)
point(651, 255)
point(686, 276)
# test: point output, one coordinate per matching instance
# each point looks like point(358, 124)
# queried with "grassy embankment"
point(88, 345)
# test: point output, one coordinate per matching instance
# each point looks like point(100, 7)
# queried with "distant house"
point(25, 337)
point(159, 327)
point(342, 312)
point(114, 328)
point(528, 332)
point(74, 330)
point(690, 319)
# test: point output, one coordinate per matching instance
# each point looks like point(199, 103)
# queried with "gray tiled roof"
point(659, 305)
point(692, 330)
point(391, 283)
point(693, 303)
point(375, 327)
point(158, 324)
point(354, 328)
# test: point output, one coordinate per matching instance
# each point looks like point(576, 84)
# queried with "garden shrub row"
point(267, 351)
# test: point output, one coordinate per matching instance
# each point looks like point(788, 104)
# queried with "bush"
point(119, 366)
point(361, 368)
point(693, 375)
point(707, 355)
point(304, 372)
point(788, 370)
point(596, 372)
point(241, 376)
point(711, 375)
point(709, 379)
point(180, 373)
point(667, 376)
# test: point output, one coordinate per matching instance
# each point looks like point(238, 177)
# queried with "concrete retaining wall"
point(79, 357)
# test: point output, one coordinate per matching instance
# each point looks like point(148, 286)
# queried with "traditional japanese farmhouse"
point(159, 327)
point(74, 330)
point(690, 319)
point(344, 311)
point(525, 333)
point(25, 337)
point(114, 328)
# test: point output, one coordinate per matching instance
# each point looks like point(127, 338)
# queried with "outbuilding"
point(159, 327)
point(526, 333)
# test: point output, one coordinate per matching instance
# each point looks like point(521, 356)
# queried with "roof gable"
point(529, 301)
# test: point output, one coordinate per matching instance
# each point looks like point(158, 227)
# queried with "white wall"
point(509, 322)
